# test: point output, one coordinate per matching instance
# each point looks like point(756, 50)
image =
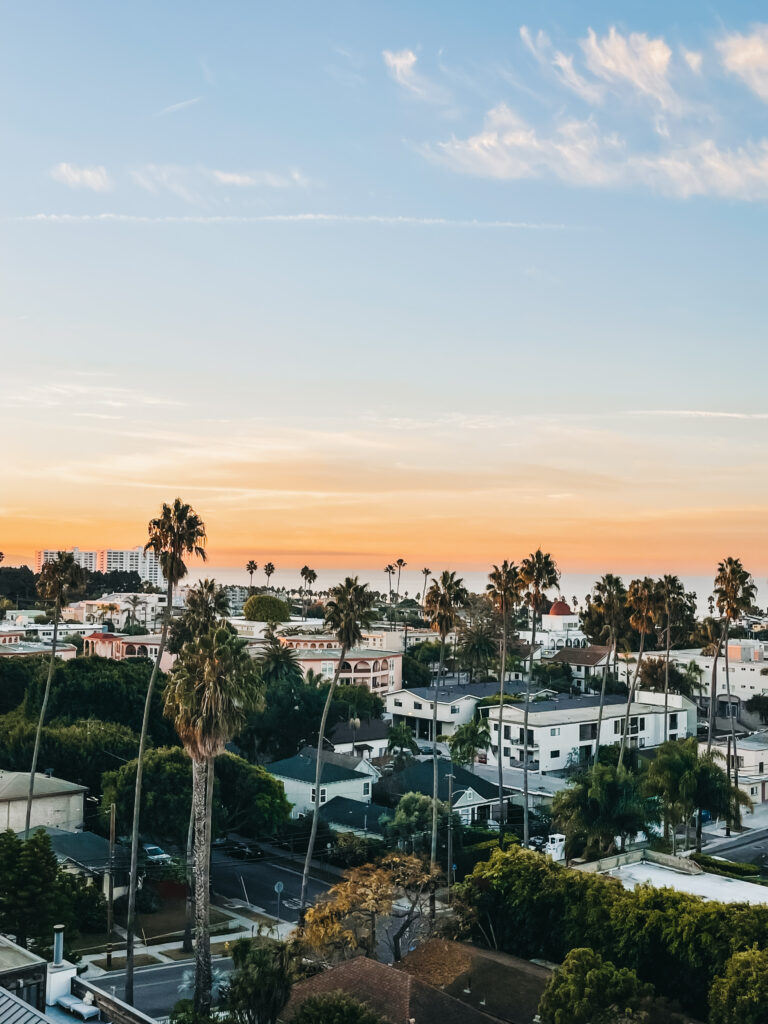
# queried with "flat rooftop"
point(12, 956)
point(708, 886)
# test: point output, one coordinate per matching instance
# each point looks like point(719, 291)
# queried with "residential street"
point(253, 882)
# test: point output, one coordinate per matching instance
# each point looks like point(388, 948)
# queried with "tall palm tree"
point(671, 597)
point(538, 573)
point(311, 577)
point(176, 532)
point(389, 569)
point(504, 588)
point(477, 646)
point(209, 692)
point(251, 567)
point(611, 595)
point(445, 597)
point(57, 581)
point(400, 563)
point(426, 573)
point(305, 572)
point(269, 568)
point(134, 603)
point(735, 593)
point(347, 613)
point(642, 602)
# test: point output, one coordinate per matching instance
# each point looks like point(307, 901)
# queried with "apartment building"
point(110, 560)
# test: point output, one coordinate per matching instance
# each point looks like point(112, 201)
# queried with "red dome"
point(560, 608)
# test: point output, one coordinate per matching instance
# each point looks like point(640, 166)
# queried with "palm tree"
point(693, 674)
point(445, 597)
point(57, 581)
point(400, 564)
point(642, 601)
point(134, 602)
point(176, 532)
point(347, 613)
point(279, 663)
point(269, 568)
point(735, 593)
point(390, 571)
point(400, 737)
point(611, 595)
point(468, 739)
point(111, 609)
point(314, 679)
point(538, 574)
point(504, 589)
point(311, 577)
point(251, 567)
point(209, 692)
point(671, 598)
point(426, 573)
point(477, 646)
point(305, 573)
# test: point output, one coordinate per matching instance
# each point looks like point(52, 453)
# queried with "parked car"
point(156, 855)
point(246, 851)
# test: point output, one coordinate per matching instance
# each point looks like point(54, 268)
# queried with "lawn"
point(168, 922)
point(118, 962)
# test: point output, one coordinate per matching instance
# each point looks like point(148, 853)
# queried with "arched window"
point(130, 651)
point(384, 664)
point(346, 667)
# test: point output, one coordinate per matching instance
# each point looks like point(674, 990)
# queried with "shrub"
point(264, 608)
point(335, 1008)
point(740, 995)
point(725, 867)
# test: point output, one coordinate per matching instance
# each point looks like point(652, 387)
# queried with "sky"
point(359, 281)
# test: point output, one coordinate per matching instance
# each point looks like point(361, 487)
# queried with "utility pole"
point(450, 831)
point(111, 895)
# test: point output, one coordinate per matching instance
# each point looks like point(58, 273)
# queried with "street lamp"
point(450, 778)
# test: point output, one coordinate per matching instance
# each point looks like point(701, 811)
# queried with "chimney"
point(58, 944)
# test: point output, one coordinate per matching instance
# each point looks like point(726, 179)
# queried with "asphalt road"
point(157, 989)
point(254, 883)
point(746, 849)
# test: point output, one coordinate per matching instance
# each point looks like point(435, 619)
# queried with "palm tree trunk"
point(433, 848)
point(630, 695)
point(699, 823)
point(600, 709)
point(133, 877)
point(529, 676)
point(503, 672)
point(318, 776)
point(41, 719)
point(713, 695)
point(189, 908)
point(736, 807)
point(201, 783)
point(666, 678)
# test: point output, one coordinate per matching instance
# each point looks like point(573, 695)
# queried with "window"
point(417, 705)
point(588, 731)
point(673, 721)
point(506, 751)
point(507, 732)
point(323, 794)
point(554, 753)
point(554, 732)
point(366, 788)
point(495, 726)
point(618, 726)
point(455, 709)
point(398, 703)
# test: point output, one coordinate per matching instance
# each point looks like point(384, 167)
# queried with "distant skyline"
point(360, 280)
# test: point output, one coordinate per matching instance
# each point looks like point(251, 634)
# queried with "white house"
point(560, 627)
point(297, 775)
point(368, 739)
point(563, 729)
point(752, 752)
point(587, 663)
point(455, 706)
point(747, 671)
point(55, 802)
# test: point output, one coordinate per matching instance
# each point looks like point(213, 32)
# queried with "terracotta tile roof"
point(396, 995)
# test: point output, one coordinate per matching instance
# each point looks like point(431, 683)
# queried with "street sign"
point(278, 887)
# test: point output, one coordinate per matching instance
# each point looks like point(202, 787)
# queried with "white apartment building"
point(563, 730)
point(752, 752)
point(747, 670)
point(110, 560)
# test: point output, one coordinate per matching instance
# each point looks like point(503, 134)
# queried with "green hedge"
point(731, 868)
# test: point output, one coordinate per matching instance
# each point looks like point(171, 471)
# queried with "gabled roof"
point(418, 778)
point(354, 814)
point(15, 786)
point(302, 769)
point(396, 995)
point(370, 729)
point(591, 655)
point(14, 1011)
point(85, 849)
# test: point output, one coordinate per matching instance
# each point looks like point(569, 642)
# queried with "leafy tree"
point(758, 705)
point(415, 673)
point(468, 739)
point(335, 1008)
point(57, 581)
point(589, 990)
point(209, 690)
point(348, 612)
point(116, 581)
point(266, 608)
point(538, 574)
point(656, 674)
point(261, 983)
point(445, 597)
point(18, 585)
point(16, 677)
point(740, 994)
point(411, 822)
point(176, 533)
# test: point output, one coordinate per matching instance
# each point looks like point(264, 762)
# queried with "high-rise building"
point(111, 560)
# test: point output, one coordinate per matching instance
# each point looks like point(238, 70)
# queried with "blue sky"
point(363, 276)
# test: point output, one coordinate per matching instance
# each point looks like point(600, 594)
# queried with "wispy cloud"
point(542, 50)
point(178, 106)
point(401, 65)
point(747, 57)
point(577, 152)
point(693, 59)
point(94, 178)
point(177, 180)
point(289, 218)
point(699, 414)
point(633, 60)
point(251, 179)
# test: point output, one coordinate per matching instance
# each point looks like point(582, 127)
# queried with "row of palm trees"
point(252, 566)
